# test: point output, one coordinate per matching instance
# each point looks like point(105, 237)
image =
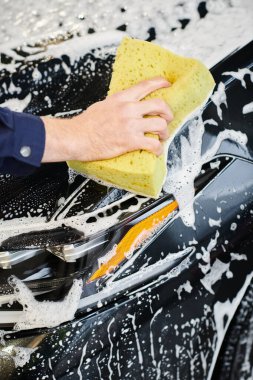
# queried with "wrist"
point(60, 144)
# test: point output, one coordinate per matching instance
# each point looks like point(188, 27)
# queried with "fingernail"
point(162, 79)
point(168, 84)
point(168, 119)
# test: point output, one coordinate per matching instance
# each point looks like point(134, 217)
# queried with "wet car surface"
point(164, 310)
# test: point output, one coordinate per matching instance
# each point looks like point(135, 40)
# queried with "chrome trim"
point(72, 252)
point(9, 258)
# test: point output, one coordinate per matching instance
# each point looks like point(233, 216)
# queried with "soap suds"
point(248, 108)
point(224, 28)
point(223, 314)
point(17, 105)
point(186, 287)
point(10, 228)
point(214, 222)
point(22, 355)
point(205, 255)
point(209, 39)
point(44, 314)
point(219, 97)
point(240, 74)
point(215, 164)
point(155, 271)
point(36, 75)
point(233, 227)
point(214, 275)
point(183, 171)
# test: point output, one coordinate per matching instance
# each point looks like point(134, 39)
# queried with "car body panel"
point(165, 311)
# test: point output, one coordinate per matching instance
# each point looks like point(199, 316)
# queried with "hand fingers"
point(142, 89)
point(152, 145)
point(155, 107)
point(155, 125)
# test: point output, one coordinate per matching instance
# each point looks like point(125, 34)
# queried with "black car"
point(97, 283)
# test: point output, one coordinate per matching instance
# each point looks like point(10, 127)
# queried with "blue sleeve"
point(22, 142)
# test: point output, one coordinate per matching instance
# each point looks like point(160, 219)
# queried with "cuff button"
point(25, 151)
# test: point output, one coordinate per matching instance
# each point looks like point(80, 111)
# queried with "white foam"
point(216, 35)
point(206, 253)
point(214, 275)
point(49, 101)
point(233, 227)
point(68, 113)
point(219, 98)
point(214, 222)
point(14, 89)
point(240, 74)
point(22, 355)
point(186, 287)
point(238, 256)
point(37, 76)
point(223, 314)
point(152, 271)
point(215, 165)
point(181, 175)
point(248, 108)
point(44, 314)
point(10, 228)
point(223, 29)
point(228, 134)
point(16, 104)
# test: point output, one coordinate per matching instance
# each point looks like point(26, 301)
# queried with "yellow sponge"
point(140, 171)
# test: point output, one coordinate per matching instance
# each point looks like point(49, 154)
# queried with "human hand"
point(111, 127)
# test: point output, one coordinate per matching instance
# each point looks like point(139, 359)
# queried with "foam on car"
point(140, 171)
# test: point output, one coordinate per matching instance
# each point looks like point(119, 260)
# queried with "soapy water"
point(184, 169)
point(105, 17)
point(221, 309)
point(198, 39)
point(18, 226)
point(48, 310)
point(225, 27)
point(45, 313)
point(219, 97)
point(175, 12)
point(179, 182)
point(20, 355)
point(223, 314)
point(16, 104)
point(248, 108)
point(240, 74)
point(50, 314)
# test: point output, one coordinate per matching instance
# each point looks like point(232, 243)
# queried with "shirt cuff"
point(28, 138)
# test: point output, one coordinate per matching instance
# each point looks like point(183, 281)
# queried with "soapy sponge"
point(140, 171)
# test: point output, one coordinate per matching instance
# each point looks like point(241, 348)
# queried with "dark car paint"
point(152, 331)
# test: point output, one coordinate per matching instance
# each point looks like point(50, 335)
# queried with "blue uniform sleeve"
point(22, 142)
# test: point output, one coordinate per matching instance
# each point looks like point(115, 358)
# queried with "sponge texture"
point(142, 172)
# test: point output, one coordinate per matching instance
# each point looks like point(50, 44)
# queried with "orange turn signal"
point(133, 238)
